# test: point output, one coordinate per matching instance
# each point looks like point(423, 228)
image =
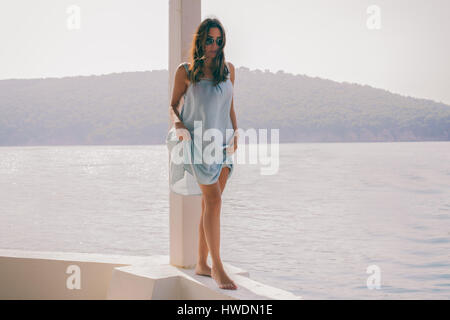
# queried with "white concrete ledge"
point(50, 275)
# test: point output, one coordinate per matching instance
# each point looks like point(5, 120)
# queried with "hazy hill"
point(132, 108)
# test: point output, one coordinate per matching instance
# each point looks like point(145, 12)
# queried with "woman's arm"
point(179, 89)
point(232, 113)
point(233, 116)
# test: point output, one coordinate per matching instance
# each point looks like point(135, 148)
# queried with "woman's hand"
point(235, 144)
point(232, 149)
point(181, 131)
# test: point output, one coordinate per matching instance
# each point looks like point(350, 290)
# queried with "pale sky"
point(329, 39)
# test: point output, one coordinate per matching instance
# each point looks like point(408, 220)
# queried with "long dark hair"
point(197, 53)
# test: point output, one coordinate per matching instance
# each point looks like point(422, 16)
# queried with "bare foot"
point(222, 279)
point(203, 270)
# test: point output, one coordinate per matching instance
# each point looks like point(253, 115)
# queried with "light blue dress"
point(209, 107)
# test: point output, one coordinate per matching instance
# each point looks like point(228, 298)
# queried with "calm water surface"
point(313, 228)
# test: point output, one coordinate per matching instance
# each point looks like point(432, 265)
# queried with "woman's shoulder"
point(184, 65)
point(230, 65)
point(231, 69)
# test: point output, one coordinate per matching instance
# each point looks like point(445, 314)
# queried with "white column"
point(184, 211)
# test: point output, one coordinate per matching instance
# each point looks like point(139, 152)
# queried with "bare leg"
point(202, 267)
point(211, 224)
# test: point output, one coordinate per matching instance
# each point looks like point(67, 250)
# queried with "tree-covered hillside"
point(132, 108)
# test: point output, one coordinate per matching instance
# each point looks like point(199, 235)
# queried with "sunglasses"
point(209, 41)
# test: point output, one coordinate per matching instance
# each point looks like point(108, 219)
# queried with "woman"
point(207, 86)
